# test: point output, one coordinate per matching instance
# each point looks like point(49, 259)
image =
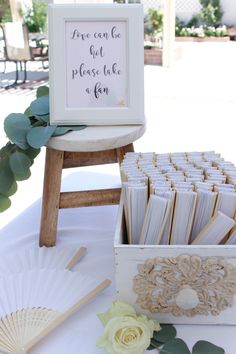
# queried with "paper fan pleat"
point(36, 257)
point(42, 288)
point(31, 302)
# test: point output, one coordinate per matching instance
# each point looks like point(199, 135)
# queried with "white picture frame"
point(91, 44)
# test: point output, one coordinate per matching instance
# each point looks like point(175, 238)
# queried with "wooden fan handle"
point(59, 320)
point(76, 258)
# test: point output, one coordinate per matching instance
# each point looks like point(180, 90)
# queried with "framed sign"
point(96, 64)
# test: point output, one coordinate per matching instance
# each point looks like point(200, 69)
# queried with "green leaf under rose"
point(166, 333)
point(175, 346)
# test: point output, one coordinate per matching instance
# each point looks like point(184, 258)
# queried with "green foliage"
point(40, 106)
point(179, 27)
point(211, 15)
point(32, 153)
point(175, 346)
point(6, 176)
point(194, 21)
point(20, 165)
point(36, 17)
point(5, 203)
point(212, 10)
point(5, 11)
point(27, 133)
point(206, 347)
point(17, 126)
point(166, 342)
point(193, 29)
point(167, 333)
point(12, 190)
point(63, 130)
point(202, 31)
point(39, 136)
point(153, 22)
point(205, 23)
point(42, 91)
point(215, 32)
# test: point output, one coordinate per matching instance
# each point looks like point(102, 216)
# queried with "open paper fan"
point(33, 303)
point(36, 257)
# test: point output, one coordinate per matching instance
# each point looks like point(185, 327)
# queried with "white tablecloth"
point(94, 228)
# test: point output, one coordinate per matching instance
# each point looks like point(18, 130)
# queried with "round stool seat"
point(97, 138)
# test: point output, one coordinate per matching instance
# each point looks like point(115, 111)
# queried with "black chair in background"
point(18, 49)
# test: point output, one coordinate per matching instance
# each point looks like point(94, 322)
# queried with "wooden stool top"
point(97, 138)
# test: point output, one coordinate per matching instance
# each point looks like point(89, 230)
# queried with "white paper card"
point(96, 64)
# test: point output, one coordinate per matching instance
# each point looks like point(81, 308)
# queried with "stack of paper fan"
point(34, 302)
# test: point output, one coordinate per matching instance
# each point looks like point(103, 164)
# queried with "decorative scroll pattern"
point(185, 285)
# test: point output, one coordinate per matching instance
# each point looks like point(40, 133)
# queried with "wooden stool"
point(91, 146)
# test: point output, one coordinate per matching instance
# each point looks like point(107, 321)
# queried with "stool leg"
point(51, 197)
point(120, 152)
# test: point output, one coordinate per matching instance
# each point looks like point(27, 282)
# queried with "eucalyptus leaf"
point(65, 129)
point(204, 347)
point(167, 333)
point(28, 112)
point(44, 119)
point(40, 106)
point(32, 153)
point(27, 133)
point(6, 177)
point(61, 131)
point(20, 165)
point(5, 203)
point(42, 91)
point(175, 346)
point(154, 344)
point(12, 190)
point(16, 126)
point(6, 151)
point(77, 127)
point(39, 136)
point(151, 347)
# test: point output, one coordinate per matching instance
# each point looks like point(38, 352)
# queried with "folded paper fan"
point(33, 303)
point(36, 257)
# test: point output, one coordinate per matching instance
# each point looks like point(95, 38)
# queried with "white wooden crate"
point(176, 284)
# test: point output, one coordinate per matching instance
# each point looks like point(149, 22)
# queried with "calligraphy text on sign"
point(96, 64)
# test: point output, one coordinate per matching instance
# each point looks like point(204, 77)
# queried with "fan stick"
point(63, 317)
point(76, 258)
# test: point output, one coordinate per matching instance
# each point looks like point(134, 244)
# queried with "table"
point(94, 228)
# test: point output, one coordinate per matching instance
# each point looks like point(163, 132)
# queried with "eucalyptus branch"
point(165, 342)
point(27, 133)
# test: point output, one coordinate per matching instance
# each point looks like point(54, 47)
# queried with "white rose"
point(117, 308)
point(127, 335)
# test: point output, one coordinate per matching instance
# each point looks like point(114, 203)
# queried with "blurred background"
point(190, 75)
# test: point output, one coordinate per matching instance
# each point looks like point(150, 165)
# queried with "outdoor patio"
point(188, 107)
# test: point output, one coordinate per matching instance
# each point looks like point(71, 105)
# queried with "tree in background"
point(211, 13)
point(36, 17)
point(5, 12)
point(153, 22)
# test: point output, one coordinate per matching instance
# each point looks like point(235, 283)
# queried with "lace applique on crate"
point(185, 285)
